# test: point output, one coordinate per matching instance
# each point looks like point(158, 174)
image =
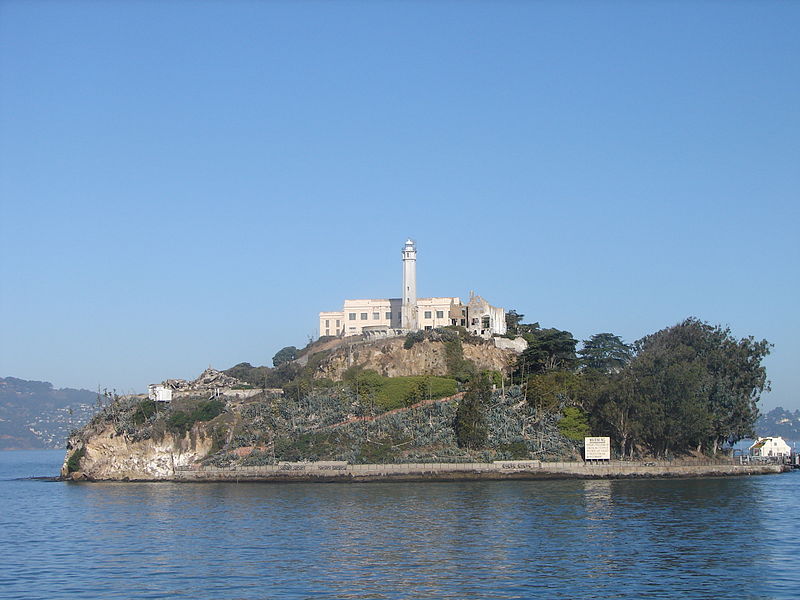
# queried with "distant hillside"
point(34, 415)
point(779, 422)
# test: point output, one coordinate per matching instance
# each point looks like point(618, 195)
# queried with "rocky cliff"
point(391, 358)
point(107, 454)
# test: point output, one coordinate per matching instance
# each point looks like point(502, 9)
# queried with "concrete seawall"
point(334, 471)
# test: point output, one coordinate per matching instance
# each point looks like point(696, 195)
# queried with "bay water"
point(675, 538)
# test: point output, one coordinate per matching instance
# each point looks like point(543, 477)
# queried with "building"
point(158, 392)
point(385, 317)
point(770, 446)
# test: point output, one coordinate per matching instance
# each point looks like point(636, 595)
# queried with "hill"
point(779, 422)
point(35, 415)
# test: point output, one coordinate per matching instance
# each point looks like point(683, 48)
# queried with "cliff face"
point(427, 357)
point(108, 455)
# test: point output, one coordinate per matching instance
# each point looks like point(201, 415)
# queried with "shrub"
point(74, 461)
point(180, 421)
point(144, 411)
point(575, 424)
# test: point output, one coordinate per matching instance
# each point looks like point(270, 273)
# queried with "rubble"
point(208, 380)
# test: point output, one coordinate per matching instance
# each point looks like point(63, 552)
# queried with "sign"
point(597, 448)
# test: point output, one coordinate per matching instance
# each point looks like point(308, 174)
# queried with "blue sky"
point(189, 183)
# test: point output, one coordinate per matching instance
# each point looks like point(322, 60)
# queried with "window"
point(337, 322)
point(427, 314)
point(352, 328)
point(376, 316)
point(327, 323)
point(352, 316)
point(388, 316)
point(327, 332)
point(428, 327)
point(363, 316)
point(440, 314)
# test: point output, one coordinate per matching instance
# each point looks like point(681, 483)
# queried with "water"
point(708, 538)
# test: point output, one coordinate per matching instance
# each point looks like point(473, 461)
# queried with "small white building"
point(158, 392)
point(770, 446)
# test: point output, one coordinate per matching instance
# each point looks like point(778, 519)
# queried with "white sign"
point(597, 448)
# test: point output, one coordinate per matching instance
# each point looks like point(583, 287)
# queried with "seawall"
point(334, 471)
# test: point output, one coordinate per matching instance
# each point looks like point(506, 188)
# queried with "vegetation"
point(687, 388)
point(387, 393)
point(690, 387)
point(470, 420)
point(74, 461)
point(182, 421)
point(284, 355)
point(605, 352)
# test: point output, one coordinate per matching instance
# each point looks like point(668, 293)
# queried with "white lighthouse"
point(409, 309)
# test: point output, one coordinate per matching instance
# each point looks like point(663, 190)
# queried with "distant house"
point(158, 392)
point(770, 446)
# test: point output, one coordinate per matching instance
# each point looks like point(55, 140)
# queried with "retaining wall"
point(523, 469)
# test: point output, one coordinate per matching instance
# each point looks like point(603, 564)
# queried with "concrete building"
point(158, 392)
point(770, 446)
point(385, 317)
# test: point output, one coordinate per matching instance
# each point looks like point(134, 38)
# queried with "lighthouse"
point(409, 296)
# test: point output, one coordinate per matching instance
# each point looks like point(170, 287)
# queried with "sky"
point(185, 184)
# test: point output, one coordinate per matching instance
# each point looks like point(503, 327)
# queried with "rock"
point(518, 344)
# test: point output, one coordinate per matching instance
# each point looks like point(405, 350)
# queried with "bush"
point(575, 424)
point(74, 461)
point(144, 411)
point(180, 421)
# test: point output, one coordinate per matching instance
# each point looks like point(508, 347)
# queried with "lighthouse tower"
point(410, 321)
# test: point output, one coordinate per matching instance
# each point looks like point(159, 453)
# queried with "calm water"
point(710, 538)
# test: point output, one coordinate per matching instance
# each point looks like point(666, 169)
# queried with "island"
point(442, 404)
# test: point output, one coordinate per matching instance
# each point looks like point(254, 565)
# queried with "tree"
point(470, 420)
point(548, 349)
point(697, 386)
point(513, 319)
point(605, 352)
point(284, 355)
point(574, 425)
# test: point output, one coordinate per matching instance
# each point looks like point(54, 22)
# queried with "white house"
point(770, 446)
point(159, 392)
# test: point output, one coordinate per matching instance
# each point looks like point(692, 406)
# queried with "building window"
point(363, 316)
point(388, 316)
point(352, 328)
point(337, 322)
point(440, 314)
point(327, 323)
point(427, 314)
point(327, 332)
point(352, 316)
point(428, 327)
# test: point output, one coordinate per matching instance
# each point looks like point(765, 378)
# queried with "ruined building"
point(385, 317)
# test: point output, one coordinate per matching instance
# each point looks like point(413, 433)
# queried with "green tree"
point(724, 376)
point(575, 424)
point(513, 319)
point(548, 349)
point(605, 352)
point(284, 355)
point(470, 420)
